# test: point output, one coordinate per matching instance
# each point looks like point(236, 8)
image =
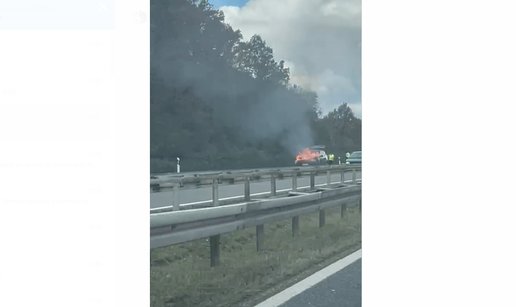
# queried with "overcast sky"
point(320, 41)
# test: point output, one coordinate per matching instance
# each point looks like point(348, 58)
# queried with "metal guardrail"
point(167, 181)
point(200, 173)
point(180, 226)
point(230, 177)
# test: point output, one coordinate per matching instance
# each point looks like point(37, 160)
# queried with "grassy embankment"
point(181, 275)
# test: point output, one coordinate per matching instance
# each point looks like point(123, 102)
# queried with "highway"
point(163, 199)
point(342, 289)
point(337, 285)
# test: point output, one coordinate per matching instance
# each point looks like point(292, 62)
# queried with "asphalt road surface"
point(163, 199)
point(342, 289)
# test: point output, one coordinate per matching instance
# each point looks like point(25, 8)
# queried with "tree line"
point(219, 102)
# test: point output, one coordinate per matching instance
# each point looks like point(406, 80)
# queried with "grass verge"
point(181, 275)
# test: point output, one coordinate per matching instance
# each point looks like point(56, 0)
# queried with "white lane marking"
point(310, 281)
point(255, 194)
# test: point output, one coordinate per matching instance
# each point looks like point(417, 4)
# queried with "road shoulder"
point(284, 296)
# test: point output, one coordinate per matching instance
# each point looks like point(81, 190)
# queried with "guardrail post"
point(175, 203)
point(214, 250)
point(342, 176)
point(273, 185)
point(360, 205)
point(354, 176)
point(312, 180)
point(294, 182)
point(247, 189)
point(259, 237)
point(215, 192)
point(322, 218)
point(343, 209)
point(328, 178)
point(295, 226)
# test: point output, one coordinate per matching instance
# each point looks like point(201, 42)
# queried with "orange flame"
point(307, 155)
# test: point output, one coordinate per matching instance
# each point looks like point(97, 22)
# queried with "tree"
point(257, 59)
point(342, 130)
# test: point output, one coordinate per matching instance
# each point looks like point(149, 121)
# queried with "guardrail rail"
point(230, 177)
point(180, 226)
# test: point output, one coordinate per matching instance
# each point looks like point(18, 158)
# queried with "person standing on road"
point(330, 160)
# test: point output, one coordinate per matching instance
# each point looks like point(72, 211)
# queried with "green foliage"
point(220, 102)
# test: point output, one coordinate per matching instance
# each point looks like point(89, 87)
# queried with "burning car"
point(312, 155)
